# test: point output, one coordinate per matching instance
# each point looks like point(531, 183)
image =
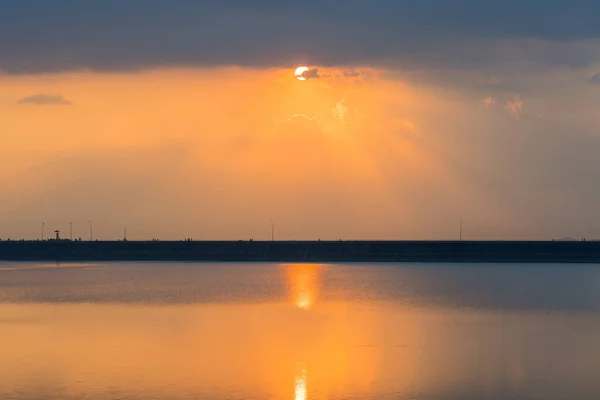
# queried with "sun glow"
point(299, 72)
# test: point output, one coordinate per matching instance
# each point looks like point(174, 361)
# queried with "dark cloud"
point(347, 74)
point(45, 99)
point(594, 80)
point(37, 35)
point(311, 73)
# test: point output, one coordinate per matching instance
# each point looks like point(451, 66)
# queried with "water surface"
point(270, 331)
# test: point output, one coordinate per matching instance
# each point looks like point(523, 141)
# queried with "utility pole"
point(43, 223)
point(272, 231)
point(71, 226)
point(91, 231)
point(461, 229)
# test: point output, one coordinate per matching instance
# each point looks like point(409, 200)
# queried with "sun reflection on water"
point(300, 386)
point(303, 283)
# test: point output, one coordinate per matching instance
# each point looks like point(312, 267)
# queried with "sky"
point(184, 119)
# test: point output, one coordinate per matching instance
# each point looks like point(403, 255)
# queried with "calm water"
point(299, 332)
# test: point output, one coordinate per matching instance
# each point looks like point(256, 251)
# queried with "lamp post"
point(272, 231)
point(71, 226)
point(91, 231)
point(43, 223)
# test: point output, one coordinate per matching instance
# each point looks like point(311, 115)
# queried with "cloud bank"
point(38, 36)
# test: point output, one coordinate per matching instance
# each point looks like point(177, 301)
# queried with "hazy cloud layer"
point(110, 35)
point(216, 154)
point(46, 99)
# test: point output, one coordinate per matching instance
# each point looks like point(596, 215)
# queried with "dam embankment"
point(304, 251)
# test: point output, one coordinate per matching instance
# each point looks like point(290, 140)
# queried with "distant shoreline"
point(305, 251)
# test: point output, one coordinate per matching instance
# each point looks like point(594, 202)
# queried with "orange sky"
point(217, 153)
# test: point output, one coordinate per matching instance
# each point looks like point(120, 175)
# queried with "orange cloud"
point(489, 102)
point(515, 107)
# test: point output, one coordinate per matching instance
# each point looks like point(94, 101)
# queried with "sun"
point(299, 72)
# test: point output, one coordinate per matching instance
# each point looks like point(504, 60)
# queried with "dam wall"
point(303, 251)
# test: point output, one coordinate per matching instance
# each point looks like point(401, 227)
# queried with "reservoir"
point(299, 331)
